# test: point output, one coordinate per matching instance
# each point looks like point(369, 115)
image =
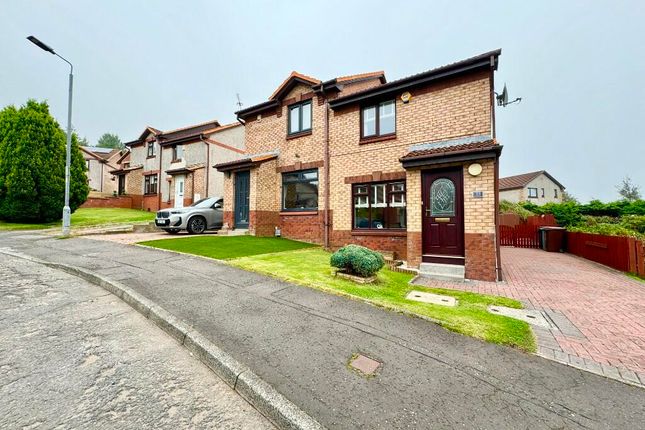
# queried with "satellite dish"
point(502, 99)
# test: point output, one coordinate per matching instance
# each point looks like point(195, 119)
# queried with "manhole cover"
point(530, 316)
point(435, 299)
point(364, 364)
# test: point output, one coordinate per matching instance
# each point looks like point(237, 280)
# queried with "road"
point(300, 340)
point(74, 356)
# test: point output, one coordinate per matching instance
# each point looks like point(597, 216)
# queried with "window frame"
point(377, 120)
point(151, 149)
point(555, 193)
point(299, 106)
point(148, 183)
point(300, 180)
point(529, 193)
point(175, 153)
point(389, 203)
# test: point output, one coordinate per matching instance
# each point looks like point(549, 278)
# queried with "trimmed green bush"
point(357, 260)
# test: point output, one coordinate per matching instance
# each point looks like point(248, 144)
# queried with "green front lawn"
point(227, 247)
point(87, 217)
point(311, 268)
point(304, 264)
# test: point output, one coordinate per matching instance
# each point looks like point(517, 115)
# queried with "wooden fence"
point(626, 254)
point(523, 234)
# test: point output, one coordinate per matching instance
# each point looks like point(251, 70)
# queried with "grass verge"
point(227, 247)
point(310, 267)
point(87, 217)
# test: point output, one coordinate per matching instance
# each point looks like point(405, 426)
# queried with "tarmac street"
point(75, 356)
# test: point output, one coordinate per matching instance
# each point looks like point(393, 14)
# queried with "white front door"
point(179, 191)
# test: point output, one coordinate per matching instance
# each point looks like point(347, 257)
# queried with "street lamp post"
point(67, 213)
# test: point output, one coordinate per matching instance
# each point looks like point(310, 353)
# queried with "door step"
point(443, 272)
point(238, 232)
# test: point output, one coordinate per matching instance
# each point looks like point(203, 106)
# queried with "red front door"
point(443, 216)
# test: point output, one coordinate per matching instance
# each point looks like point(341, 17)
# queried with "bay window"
point(379, 206)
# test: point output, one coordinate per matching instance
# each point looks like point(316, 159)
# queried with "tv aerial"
point(239, 102)
point(502, 99)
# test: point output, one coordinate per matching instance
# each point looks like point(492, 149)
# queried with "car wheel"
point(172, 230)
point(196, 225)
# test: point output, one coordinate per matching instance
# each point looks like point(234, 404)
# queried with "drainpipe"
point(101, 177)
point(159, 178)
point(326, 167)
point(208, 163)
point(498, 256)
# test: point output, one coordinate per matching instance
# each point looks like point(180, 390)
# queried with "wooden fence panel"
point(523, 234)
point(618, 252)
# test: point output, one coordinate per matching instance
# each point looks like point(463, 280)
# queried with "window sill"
point(366, 140)
point(298, 213)
point(379, 232)
point(176, 161)
point(150, 194)
point(299, 134)
point(151, 156)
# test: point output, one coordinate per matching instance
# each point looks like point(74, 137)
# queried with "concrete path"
point(74, 356)
point(598, 313)
point(300, 341)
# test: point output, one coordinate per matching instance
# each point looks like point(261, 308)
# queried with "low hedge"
point(357, 260)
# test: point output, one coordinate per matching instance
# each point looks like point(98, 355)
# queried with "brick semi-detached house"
point(174, 168)
point(408, 166)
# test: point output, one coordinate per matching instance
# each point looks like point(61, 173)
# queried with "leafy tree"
point(109, 140)
point(32, 166)
point(84, 142)
point(568, 197)
point(628, 190)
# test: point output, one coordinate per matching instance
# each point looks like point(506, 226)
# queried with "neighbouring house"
point(100, 161)
point(174, 168)
point(407, 167)
point(535, 187)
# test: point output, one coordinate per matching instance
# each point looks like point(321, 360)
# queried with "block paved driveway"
point(600, 312)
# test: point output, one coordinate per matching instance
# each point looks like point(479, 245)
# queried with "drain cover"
point(530, 316)
point(435, 299)
point(364, 364)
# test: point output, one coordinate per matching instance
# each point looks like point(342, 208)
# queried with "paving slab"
point(596, 312)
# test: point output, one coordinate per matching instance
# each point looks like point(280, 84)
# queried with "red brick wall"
point(124, 202)
point(386, 243)
point(414, 248)
point(263, 223)
point(150, 203)
point(303, 227)
point(480, 256)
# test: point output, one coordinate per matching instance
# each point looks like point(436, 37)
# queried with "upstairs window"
point(150, 184)
point(379, 206)
point(533, 193)
point(555, 193)
point(299, 118)
point(378, 120)
point(151, 148)
point(300, 190)
point(177, 152)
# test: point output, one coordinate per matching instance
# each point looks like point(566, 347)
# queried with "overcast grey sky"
point(578, 66)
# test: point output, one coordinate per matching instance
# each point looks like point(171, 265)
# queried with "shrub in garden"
point(32, 166)
point(634, 222)
point(357, 260)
